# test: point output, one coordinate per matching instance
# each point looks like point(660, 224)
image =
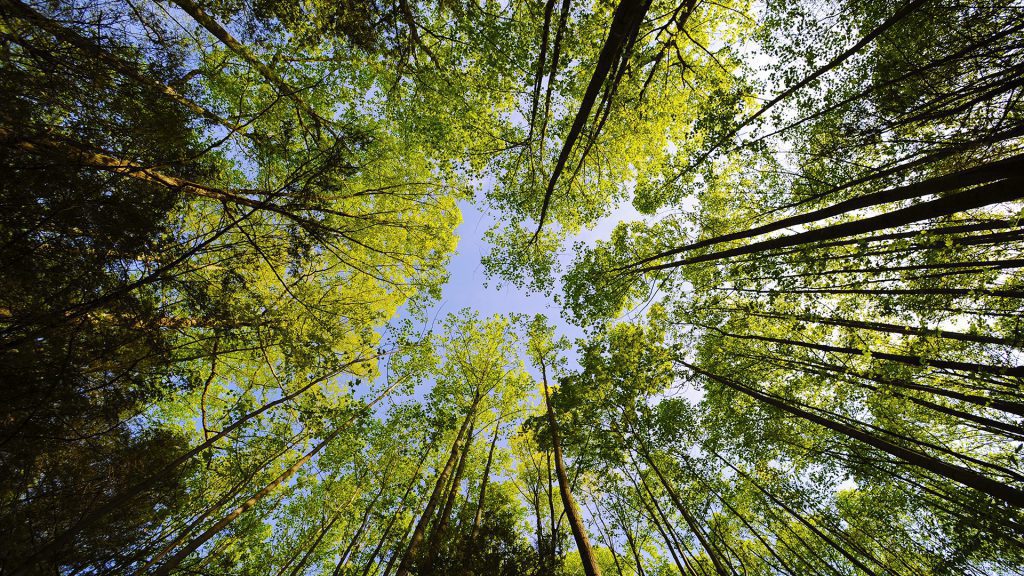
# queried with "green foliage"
point(226, 229)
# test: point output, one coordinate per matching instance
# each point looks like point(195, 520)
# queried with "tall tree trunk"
point(412, 553)
point(663, 526)
point(552, 527)
point(1001, 191)
point(87, 155)
point(398, 511)
point(977, 175)
point(474, 534)
point(441, 525)
point(124, 67)
point(959, 474)
point(626, 22)
point(231, 493)
point(767, 545)
point(608, 537)
point(995, 426)
point(800, 518)
point(720, 564)
point(900, 358)
point(579, 533)
point(541, 556)
point(259, 64)
point(631, 541)
point(886, 327)
point(134, 491)
point(899, 15)
point(956, 292)
point(312, 547)
point(343, 559)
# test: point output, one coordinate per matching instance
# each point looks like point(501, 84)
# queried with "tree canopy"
point(780, 244)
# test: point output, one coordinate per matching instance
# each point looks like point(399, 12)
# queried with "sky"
point(466, 286)
point(470, 287)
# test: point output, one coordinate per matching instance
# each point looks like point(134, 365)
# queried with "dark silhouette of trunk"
point(413, 552)
point(800, 518)
point(541, 61)
point(1004, 190)
point(127, 496)
point(900, 358)
point(988, 225)
point(818, 253)
point(364, 522)
point(579, 533)
point(259, 64)
point(441, 525)
point(721, 566)
point(556, 52)
point(978, 175)
point(823, 370)
point(478, 517)
point(626, 21)
point(662, 524)
point(887, 328)
point(238, 487)
point(967, 477)
point(955, 292)
point(879, 272)
point(899, 15)
point(312, 547)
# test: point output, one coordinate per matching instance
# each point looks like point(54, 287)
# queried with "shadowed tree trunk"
point(412, 553)
point(579, 532)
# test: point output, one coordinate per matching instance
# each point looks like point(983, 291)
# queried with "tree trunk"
point(967, 477)
point(977, 175)
point(666, 531)
point(125, 68)
point(626, 22)
point(401, 506)
point(141, 487)
point(441, 526)
point(1001, 191)
point(219, 32)
point(478, 517)
point(900, 358)
point(720, 564)
point(579, 533)
point(889, 328)
point(312, 548)
point(899, 15)
point(412, 553)
point(343, 559)
point(800, 518)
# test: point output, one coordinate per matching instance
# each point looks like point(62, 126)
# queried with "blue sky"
point(466, 287)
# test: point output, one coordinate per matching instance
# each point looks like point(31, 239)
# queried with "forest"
point(778, 246)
